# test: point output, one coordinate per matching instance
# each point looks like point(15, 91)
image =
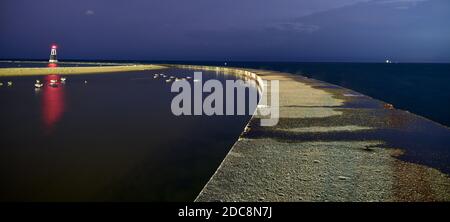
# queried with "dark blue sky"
point(255, 30)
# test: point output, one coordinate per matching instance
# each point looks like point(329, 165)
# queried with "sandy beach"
point(4, 72)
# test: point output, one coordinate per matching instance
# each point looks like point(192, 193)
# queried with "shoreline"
point(14, 72)
point(331, 144)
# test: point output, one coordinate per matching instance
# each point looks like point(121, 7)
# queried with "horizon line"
point(223, 61)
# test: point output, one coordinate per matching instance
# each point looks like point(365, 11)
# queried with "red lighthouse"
point(53, 58)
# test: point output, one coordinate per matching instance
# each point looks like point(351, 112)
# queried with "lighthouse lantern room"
point(53, 58)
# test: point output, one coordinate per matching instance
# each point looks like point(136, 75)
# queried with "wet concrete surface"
point(334, 144)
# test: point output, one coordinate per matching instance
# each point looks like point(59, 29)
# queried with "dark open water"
point(112, 139)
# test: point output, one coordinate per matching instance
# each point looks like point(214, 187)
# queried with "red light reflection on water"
point(52, 65)
point(53, 103)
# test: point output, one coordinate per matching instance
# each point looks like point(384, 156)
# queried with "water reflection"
point(52, 65)
point(108, 141)
point(52, 102)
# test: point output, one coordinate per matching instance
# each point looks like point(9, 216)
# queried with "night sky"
point(228, 30)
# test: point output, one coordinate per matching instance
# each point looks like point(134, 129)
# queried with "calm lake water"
point(112, 139)
point(420, 88)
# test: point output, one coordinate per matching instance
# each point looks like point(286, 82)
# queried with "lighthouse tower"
point(53, 58)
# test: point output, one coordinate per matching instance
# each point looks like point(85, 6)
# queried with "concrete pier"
point(332, 144)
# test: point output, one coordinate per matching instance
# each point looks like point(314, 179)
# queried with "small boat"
point(85, 81)
point(1, 84)
point(155, 77)
point(168, 80)
point(53, 84)
point(53, 81)
point(188, 77)
point(10, 83)
point(38, 85)
point(172, 77)
point(63, 79)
